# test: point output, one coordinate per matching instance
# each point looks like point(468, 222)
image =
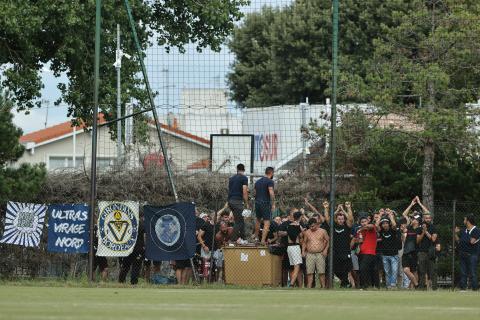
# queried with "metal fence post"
point(140, 55)
point(93, 181)
point(332, 134)
point(453, 242)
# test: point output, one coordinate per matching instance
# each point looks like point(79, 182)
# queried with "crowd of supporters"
point(376, 249)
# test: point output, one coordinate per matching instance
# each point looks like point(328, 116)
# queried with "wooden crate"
point(252, 266)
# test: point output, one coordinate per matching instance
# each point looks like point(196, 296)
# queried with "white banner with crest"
point(117, 228)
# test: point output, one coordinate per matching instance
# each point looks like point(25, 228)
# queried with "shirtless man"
point(315, 249)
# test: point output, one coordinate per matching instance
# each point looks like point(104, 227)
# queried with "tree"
point(19, 184)
point(283, 56)
point(34, 33)
point(419, 59)
point(427, 67)
point(386, 162)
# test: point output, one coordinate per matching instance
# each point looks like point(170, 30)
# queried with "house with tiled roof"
point(63, 146)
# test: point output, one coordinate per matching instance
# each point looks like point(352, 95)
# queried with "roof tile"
point(53, 132)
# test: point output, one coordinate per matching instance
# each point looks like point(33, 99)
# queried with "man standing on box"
point(264, 203)
point(238, 200)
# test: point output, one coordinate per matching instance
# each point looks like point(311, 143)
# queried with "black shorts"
point(182, 264)
point(263, 210)
point(285, 262)
point(409, 260)
point(342, 263)
point(100, 262)
point(236, 206)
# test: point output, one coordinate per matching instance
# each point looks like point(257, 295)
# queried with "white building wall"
point(182, 152)
point(41, 153)
point(205, 124)
point(277, 130)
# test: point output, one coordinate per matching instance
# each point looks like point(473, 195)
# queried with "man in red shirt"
point(366, 238)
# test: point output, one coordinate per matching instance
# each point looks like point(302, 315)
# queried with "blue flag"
point(170, 232)
point(68, 228)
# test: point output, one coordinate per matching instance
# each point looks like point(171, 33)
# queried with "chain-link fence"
point(263, 100)
point(294, 251)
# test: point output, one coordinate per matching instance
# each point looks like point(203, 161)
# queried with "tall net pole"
point(93, 175)
point(333, 134)
point(150, 98)
point(118, 66)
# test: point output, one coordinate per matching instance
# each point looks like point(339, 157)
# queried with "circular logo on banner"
point(118, 227)
point(169, 228)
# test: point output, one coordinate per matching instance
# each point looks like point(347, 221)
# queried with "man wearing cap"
point(238, 200)
point(388, 247)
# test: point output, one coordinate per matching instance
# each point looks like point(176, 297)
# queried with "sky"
point(190, 70)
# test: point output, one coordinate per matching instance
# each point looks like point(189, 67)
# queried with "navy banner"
point(170, 231)
point(68, 228)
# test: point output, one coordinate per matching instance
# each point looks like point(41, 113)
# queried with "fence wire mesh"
point(226, 261)
point(263, 100)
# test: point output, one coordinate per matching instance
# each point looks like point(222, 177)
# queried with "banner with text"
point(68, 228)
point(117, 228)
point(170, 232)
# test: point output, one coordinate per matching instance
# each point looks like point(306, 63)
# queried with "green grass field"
point(68, 303)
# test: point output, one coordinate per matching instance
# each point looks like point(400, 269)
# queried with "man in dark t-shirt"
point(409, 258)
point(205, 238)
point(264, 203)
point(388, 246)
point(410, 240)
point(238, 200)
point(468, 240)
point(426, 239)
point(342, 262)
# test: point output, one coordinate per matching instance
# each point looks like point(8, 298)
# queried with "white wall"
point(277, 131)
point(203, 125)
point(182, 152)
point(64, 147)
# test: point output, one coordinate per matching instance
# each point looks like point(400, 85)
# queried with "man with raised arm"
point(343, 223)
point(321, 217)
point(366, 238)
point(426, 240)
point(409, 257)
point(342, 236)
point(388, 247)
